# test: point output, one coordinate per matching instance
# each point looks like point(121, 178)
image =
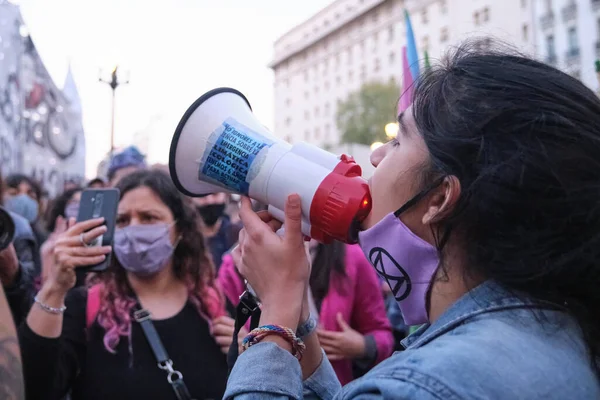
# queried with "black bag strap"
point(174, 377)
point(248, 307)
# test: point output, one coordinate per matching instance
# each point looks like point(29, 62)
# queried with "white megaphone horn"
point(219, 146)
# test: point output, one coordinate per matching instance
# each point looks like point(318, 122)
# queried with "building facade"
point(568, 36)
point(318, 63)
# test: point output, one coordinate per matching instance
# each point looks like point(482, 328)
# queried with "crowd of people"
point(78, 332)
point(483, 242)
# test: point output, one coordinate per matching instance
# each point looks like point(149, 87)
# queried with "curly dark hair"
point(191, 263)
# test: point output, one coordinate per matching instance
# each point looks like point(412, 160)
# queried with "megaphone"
point(219, 146)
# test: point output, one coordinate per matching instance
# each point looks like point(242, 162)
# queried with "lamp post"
point(114, 83)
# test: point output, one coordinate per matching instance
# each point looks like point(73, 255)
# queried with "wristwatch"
point(307, 327)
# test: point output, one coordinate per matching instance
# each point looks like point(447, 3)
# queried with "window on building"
point(476, 18)
point(548, 5)
point(288, 102)
point(425, 42)
point(338, 80)
point(350, 76)
point(349, 56)
point(316, 89)
point(550, 49)
point(337, 59)
point(390, 33)
point(424, 16)
point(362, 46)
point(326, 109)
point(306, 115)
point(325, 66)
point(525, 32)
point(337, 16)
point(572, 38)
point(523, 3)
point(286, 82)
point(288, 139)
point(326, 85)
point(317, 112)
point(306, 94)
point(443, 6)
point(375, 16)
point(327, 131)
point(306, 135)
point(326, 23)
point(444, 35)
point(288, 121)
point(317, 133)
point(392, 58)
point(377, 65)
point(486, 14)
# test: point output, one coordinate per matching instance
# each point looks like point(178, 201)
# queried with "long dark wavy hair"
point(523, 139)
point(191, 264)
point(328, 268)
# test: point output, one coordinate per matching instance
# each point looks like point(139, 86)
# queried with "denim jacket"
point(487, 345)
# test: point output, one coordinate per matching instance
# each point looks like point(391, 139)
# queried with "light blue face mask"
point(23, 205)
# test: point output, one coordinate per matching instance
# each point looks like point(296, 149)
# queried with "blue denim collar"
point(487, 297)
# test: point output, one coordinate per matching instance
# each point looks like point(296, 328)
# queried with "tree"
point(362, 117)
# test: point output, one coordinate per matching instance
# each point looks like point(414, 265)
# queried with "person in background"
point(124, 163)
point(96, 183)
point(11, 375)
point(90, 341)
point(23, 196)
point(354, 329)
point(218, 230)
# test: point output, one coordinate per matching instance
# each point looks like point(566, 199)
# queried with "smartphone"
point(96, 203)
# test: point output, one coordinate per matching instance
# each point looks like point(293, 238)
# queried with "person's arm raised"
point(278, 270)
point(45, 319)
point(11, 375)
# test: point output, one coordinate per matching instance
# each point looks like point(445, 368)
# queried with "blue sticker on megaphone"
point(230, 153)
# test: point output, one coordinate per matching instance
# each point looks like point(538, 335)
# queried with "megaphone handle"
point(280, 215)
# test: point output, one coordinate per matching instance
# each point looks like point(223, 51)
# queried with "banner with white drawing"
point(41, 133)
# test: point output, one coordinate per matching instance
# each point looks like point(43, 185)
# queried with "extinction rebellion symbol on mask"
point(399, 280)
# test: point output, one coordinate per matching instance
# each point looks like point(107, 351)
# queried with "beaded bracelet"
point(49, 309)
point(258, 334)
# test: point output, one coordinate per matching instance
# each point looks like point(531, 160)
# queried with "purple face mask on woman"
point(407, 262)
point(143, 249)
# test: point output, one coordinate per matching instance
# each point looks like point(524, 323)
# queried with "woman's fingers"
point(83, 226)
point(89, 251)
point(223, 341)
point(221, 329)
point(85, 261)
point(87, 237)
point(335, 357)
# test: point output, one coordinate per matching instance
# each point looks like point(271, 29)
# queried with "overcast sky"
point(174, 50)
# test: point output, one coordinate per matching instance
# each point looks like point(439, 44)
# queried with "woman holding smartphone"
point(93, 341)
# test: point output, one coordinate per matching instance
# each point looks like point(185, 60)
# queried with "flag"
point(411, 46)
point(427, 64)
point(406, 95)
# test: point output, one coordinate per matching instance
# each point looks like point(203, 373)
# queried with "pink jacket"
point(358, 298)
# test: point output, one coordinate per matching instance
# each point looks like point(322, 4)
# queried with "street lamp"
point(114, 83)
point(391, 130)
point(376, 145)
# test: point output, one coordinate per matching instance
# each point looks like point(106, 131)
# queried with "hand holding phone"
point(100, 203)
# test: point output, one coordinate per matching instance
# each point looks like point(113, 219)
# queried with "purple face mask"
point(143, 249)
point(407, 262)
point(71, 210)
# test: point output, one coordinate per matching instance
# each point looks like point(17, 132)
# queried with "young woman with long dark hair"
point(486, 225)
point(96, 347)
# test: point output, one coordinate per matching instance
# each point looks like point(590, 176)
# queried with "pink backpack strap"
point(93, 304)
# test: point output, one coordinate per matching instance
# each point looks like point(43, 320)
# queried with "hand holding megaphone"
point(220, 146)
point(274, 264)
